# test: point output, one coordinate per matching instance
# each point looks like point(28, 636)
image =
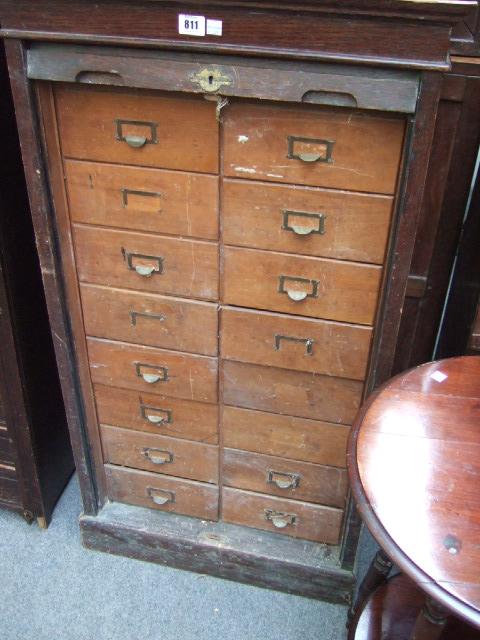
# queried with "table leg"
point(376, 575)
point(430, 622)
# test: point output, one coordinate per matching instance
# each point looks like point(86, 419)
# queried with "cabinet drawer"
point(147, 262)
point(157, 414)
point(294, 393)
point(289, 517)
point(117, 364)
point(285, 436)
point(139, 128)
point(162, 492)
point(317, 287)
point(284, 478)
point(336, 148)
point(295, 343)
point(150, 319)
point(317, 222)
point(144, 199)
point(160, 454)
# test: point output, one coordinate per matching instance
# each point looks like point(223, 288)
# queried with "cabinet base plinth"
point(219, 549)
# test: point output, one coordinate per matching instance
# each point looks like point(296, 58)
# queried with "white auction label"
point(214, 27)
point(191, 25)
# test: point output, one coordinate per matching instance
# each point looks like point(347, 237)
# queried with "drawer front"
point(7, 455)
point(168, 202)
point(335, 148)
point(285, 436)
point(153, 370)
point(157, 414)
point(316, 222)
point(295, 343)
point(294, 393)
point(315, 287)
point(162, 492)
point(160, 454)
point(146, 262)
point(148, 319)
point(284, 478)
point(137, 127)
point(9, 489)
point(289, 517)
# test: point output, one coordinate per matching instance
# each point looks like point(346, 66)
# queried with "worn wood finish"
point(256, 140)
point(393, 610)
point(156, 321)
point(311, 522)
point(175, 266)
point(119, 364)
point(141, 487)
point(295, 393)
point(396, 34)
point(295, 343)
point(167, 202)
point(269, 474)
point(382, 90)
point(330, 289)
point(87, 119)
point(438, 493)
point(161, 454)
point(153, 413)
point(342, 225)
point(285, 436)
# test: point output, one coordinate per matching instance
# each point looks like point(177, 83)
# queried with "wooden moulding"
point(223, 550)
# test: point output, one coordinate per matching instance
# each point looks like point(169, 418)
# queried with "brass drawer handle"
point(150, 373)
point(309, 149)
point(301, 229)
point(280, 520)
point(158, 456)
point(308, 342)
point(283, 480)
point(134, 315)
point(156, 416)
point(143, 264)
point(297, 295)
point(159, 496)
point(135, 140)
point(126, 193)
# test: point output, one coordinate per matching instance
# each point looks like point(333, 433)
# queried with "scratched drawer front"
point(160, 454)
point(150, 319)
point(288, 517)
point(162, 492)
point(317, 222)
point(147, 262)
point(137, 127)
point(285, 436)
point(288, 342)
point(293, 393)
point(329, 289)
point(284, 478)
point(150, 370)
point(168, 202)
point(157, 414)
point(336, 148)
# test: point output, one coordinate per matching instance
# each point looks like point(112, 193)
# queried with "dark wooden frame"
point(102, 527)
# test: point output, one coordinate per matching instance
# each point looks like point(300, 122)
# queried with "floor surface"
point(51, 588)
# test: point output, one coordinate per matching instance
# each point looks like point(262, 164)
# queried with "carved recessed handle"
point(160, 496)
point(302, 223)
point(283, 480)
point(298, 289)
point(158, 456)
point(280, 520)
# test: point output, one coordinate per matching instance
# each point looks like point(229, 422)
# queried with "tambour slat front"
point(139, 128)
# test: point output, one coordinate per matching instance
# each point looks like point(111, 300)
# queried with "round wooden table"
point(414, 465)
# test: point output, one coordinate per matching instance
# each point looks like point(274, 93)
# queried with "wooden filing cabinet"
point(234, 237)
